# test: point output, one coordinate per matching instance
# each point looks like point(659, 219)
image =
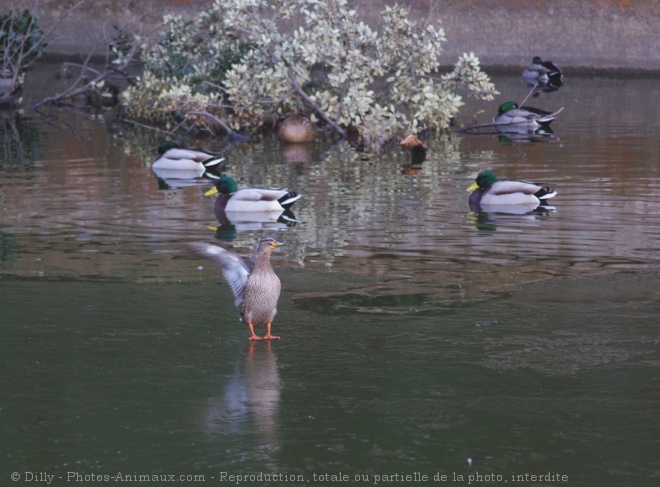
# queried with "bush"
point(21, 44)
point(237, 63)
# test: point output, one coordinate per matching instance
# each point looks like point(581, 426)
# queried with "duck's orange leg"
point(268, 336)
point(253, 335)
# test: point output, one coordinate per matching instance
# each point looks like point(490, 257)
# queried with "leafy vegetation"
point(21, 44)
point(236, 64)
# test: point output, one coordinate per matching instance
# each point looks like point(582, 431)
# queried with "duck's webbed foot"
point(268, 336)
point(253, 335)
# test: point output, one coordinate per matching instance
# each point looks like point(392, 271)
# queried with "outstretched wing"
point(233, 267)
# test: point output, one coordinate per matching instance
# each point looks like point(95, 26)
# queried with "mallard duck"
point(175, 161)
point(297, 129)
point(511, 117)
point(543, 72)
point(488, 190)
point(256, 289)
point(263, 200)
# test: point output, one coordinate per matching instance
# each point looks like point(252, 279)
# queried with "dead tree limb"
point(310, 103)
point(231, 133)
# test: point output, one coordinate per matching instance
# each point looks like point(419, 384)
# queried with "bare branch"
point(227, 128)
point(310, 103)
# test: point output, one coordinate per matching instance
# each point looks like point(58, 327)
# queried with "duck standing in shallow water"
point(488, 190)
point(176, 162)
point(256, 290)
point(232, 199)
point(544, 73)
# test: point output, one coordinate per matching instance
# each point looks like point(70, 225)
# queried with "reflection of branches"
point(20, 138)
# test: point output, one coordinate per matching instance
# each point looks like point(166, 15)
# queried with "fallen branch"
point(150, 127)
point(315, 108)
point(231, 133)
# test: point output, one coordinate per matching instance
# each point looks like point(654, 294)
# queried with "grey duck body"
point(262, 291)
point(256, 290)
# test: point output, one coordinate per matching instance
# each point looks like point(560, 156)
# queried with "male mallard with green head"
point(191, 162)
point(488, 190)
point(511, 116)
point(256, 290)
point(263, 200)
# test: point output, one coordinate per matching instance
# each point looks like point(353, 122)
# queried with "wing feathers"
point(233, 267)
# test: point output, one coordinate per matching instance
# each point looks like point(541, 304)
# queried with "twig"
point(147, 126)
point(230, 132)
point(530, 94)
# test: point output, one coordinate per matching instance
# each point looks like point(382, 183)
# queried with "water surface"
point(417, 336)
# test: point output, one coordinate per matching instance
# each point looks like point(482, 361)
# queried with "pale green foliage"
point(381, 83)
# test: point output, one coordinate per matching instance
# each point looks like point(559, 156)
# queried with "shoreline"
point(583, 38)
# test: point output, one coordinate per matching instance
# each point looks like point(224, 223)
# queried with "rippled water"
point(417, 336)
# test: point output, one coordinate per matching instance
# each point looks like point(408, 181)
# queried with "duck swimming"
point(232, 199)
point(174, 161)
point(488, 190)
point(297, 129)
point(544, 73)
point(256, 289)
point(511, 117)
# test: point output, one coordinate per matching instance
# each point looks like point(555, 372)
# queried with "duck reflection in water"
point(250, 400)
point(232, 222)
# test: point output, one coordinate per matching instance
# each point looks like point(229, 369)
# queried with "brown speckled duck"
point(297, 129)
point(256, 290)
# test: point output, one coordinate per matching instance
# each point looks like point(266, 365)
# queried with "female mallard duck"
point(488, 190)
point(297, 129)
point(543, 72)
point(256, 290)
point(510, 116)
point(263, 200)
point(183, 163)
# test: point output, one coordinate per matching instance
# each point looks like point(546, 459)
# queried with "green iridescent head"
point(226, 185)
point(506, 106)
point(486, 179)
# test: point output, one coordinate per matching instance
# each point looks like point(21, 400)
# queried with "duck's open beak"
point(472, 188)
point(211, 191)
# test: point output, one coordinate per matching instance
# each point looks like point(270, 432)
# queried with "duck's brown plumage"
point(256, 290)
point(297, 129)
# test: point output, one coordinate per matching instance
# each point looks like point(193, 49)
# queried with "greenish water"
point(418, 338)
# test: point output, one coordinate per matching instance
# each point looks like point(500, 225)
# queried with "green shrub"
point(236, 62)
point(21, 41)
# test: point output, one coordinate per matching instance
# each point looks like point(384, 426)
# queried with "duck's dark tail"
point(214, 161)
point(555, 76)
point(289, 199)
point(545, 193)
